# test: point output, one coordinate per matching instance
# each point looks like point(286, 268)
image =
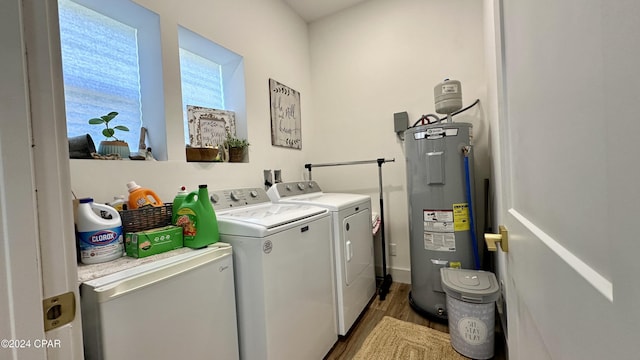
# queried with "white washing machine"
point(283, 275)
point(355, 278)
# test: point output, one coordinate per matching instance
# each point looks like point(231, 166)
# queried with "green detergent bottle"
point(198, 220)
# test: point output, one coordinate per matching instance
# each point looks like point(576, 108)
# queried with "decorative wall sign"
point(208, 127)
point(286, 130)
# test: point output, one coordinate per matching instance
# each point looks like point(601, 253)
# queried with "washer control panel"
point(224, 199)
point(296, 188)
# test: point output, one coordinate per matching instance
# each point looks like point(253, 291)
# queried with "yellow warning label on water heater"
point(461, 217)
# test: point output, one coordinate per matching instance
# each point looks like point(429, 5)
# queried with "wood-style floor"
point(395, 305)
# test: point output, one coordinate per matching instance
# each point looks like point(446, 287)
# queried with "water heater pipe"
point(474, 240)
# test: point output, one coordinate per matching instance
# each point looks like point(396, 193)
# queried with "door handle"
point(502, 238)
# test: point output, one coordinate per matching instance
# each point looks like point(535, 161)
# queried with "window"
point(201, 84)
point(111, 62)
point(211, 76)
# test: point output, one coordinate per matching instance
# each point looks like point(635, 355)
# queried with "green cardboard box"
point(155, 241)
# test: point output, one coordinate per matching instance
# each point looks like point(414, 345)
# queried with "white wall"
point(354, 70)
point(274, 43)
point(382, 57)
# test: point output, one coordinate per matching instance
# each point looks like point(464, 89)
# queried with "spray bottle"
point(119, 203)
point(198, 220)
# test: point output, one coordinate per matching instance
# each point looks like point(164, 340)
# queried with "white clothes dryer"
point(283, 274)
point(355, 278)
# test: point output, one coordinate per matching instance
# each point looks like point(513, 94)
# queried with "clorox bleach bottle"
point(99, 239)
point(198, 220)
point(139, 196)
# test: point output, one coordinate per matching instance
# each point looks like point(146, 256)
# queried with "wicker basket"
point(145, 218)
point(201, 154)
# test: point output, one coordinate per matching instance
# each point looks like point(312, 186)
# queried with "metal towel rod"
point(386, 277)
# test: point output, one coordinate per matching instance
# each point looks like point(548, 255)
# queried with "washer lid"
point(474, 286)
point(268, 215)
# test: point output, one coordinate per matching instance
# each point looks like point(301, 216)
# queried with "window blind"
point(201, 81)
point(100, 72)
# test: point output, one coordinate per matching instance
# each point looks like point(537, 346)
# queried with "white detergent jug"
point(99, 239)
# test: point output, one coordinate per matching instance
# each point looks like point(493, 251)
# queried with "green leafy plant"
point(233, 142)
point(108, 132)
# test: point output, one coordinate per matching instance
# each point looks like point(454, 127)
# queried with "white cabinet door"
point(21, 303)
point(36, 230)
point(565, 95)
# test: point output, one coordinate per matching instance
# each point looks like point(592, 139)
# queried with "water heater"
point(440, 216)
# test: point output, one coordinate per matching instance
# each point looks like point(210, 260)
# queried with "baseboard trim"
point(398, 275)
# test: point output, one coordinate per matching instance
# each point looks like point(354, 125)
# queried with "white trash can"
point(471, 295)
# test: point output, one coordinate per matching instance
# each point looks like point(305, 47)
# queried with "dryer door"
point(357, 244)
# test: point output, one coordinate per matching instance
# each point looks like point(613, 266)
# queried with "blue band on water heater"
point(474, 241)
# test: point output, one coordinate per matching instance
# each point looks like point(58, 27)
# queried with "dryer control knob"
point(301, 186)
point(234, 196)
point(310, 185)
point(253, 193)
point(214, 198)
point(288, 187)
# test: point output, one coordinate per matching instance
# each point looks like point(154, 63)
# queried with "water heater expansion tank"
point(448, 96)
point(439, 223)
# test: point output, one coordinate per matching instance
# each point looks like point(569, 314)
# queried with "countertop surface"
point(94, 271)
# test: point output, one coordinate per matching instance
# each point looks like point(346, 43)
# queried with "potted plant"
point(114, 146)
point(237, 147)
